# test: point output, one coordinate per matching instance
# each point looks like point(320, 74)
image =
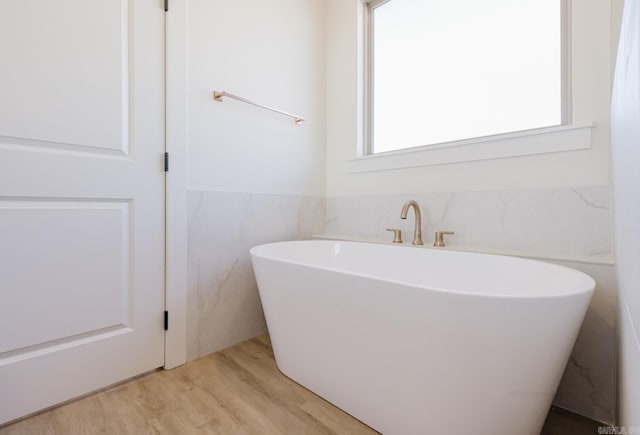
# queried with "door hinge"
point(166, 162)
point(166, 5)
point(166, 320)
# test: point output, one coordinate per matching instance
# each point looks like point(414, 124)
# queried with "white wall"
point(253, 175)
point(625, 119)
point(271, 52)
point(591, 77)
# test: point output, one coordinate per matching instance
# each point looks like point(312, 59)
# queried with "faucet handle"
point(397, 234)
point(439, 242)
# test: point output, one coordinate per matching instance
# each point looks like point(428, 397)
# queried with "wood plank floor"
point(236, 391)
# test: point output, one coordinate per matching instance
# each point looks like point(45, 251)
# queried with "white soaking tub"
point(422, 341)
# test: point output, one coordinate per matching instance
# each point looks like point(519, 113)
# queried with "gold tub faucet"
point(417, 231)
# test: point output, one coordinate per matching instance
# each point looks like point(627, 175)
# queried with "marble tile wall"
point(223, 303)
point(588, 384)
point(564, 223)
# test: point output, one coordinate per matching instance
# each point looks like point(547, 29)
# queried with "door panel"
point(75, 90)
point(81, 197)
point(81, 246)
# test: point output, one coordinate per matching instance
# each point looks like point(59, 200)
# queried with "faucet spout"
point(417, 231)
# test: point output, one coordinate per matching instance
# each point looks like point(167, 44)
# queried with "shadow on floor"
point(563, 422)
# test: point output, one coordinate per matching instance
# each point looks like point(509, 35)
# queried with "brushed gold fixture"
point(397, 234)
point(219, 95)
point(440, 238)
point(417, 230)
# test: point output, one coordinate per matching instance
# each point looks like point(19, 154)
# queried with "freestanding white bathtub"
point(422, 341)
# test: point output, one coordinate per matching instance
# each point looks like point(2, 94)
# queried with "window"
point(449, 70)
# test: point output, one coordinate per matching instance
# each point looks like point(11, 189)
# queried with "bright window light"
point(447, 70)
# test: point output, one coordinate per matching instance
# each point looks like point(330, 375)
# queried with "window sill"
point(523, 143)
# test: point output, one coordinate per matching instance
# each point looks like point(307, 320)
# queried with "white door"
point(81, 197)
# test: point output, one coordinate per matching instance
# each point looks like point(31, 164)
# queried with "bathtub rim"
point(586, 286)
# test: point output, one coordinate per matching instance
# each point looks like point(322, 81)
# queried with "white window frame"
point(564, 137)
